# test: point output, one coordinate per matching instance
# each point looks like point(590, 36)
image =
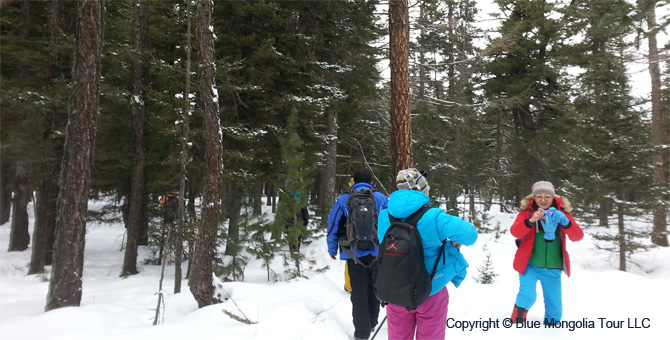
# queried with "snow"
point(597, 295)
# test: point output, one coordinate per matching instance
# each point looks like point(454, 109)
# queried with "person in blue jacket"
point(428, 320)
point(364, 303)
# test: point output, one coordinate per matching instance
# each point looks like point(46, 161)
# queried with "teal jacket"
point(434, 226)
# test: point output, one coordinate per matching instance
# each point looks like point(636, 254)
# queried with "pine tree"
point(294, 196)
point(486, 274)
point(525, 91)
point(605, 123)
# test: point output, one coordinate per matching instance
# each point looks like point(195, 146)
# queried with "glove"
point(550, 224)
point(560, 218)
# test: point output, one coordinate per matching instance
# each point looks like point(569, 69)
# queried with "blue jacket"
point(340, 210)
point(434, 226)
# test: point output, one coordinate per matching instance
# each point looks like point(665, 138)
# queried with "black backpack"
point(360, 230)
point(401, 277)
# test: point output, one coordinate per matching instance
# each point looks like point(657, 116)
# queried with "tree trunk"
point(138, 113)
point(603, 213)
point(623, 246)
point(268, 194)
point(473, 211)
point(46, 211)
point(273, 192)
point(19, 236)
point(329, 176)
point(659, 234)
point(185, 138)
point(257, 199)
point(65, 285)
point(401, 128)
point(201, 283)
point(46, 205)
point(526, 128)
point(5, 194)
point(234, 206)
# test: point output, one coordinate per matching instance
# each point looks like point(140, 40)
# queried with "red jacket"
point(521, 231)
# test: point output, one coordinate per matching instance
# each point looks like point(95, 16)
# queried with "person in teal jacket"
point(428, 320)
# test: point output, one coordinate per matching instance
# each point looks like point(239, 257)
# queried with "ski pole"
point(378, 328)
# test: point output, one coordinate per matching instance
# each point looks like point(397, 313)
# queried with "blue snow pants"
point(550, 279)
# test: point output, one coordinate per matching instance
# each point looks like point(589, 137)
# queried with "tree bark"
point(257, 199)
point(623, 245)
point(201, 283)
point(526, 127)
point(329, 177)
point(65, 285)
point(46, 205)
point(181, 223)
point(138, 114)
point(401, 128)
point(46, 211)
point(5, 194)
point(233, 211)
point(19, 236)
point(659, 234)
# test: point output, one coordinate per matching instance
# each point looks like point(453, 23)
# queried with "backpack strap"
point(437, 260)
point(356, 259)
point(412, 219)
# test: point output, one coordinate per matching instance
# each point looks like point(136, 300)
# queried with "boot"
point(519, 314)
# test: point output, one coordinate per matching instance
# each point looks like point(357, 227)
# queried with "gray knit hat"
point(412, 179)
point(543, 187)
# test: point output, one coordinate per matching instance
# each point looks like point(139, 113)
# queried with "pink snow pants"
point(428, 321)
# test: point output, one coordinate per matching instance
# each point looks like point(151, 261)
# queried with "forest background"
point(296, 93)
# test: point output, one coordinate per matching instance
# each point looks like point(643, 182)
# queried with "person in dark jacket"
point(542, 225)
point(427, 322)
point(365, 306)
point(170, 203)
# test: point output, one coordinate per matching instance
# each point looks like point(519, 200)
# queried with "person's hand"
point(456, 244)
point(538, 215)
point(333, 257)
point(560, 218)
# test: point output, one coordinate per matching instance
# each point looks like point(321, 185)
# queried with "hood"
point(563, 202)
point(403, 203)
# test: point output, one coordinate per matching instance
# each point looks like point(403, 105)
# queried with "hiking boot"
point(519, 314)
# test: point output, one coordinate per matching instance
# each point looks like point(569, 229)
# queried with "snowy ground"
point(597, 298)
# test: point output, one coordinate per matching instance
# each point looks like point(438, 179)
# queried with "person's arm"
point(381, 201)
point(573, 230)
point(334, 218)
point(456, 229)
point(523, 224)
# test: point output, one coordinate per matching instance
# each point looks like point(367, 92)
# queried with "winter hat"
point(412, 179)
point(543, 187)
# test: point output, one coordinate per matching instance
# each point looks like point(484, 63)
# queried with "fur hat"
point(412, 179)
point(543, 187)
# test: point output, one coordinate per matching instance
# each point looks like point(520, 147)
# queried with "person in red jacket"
point(541, 228)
